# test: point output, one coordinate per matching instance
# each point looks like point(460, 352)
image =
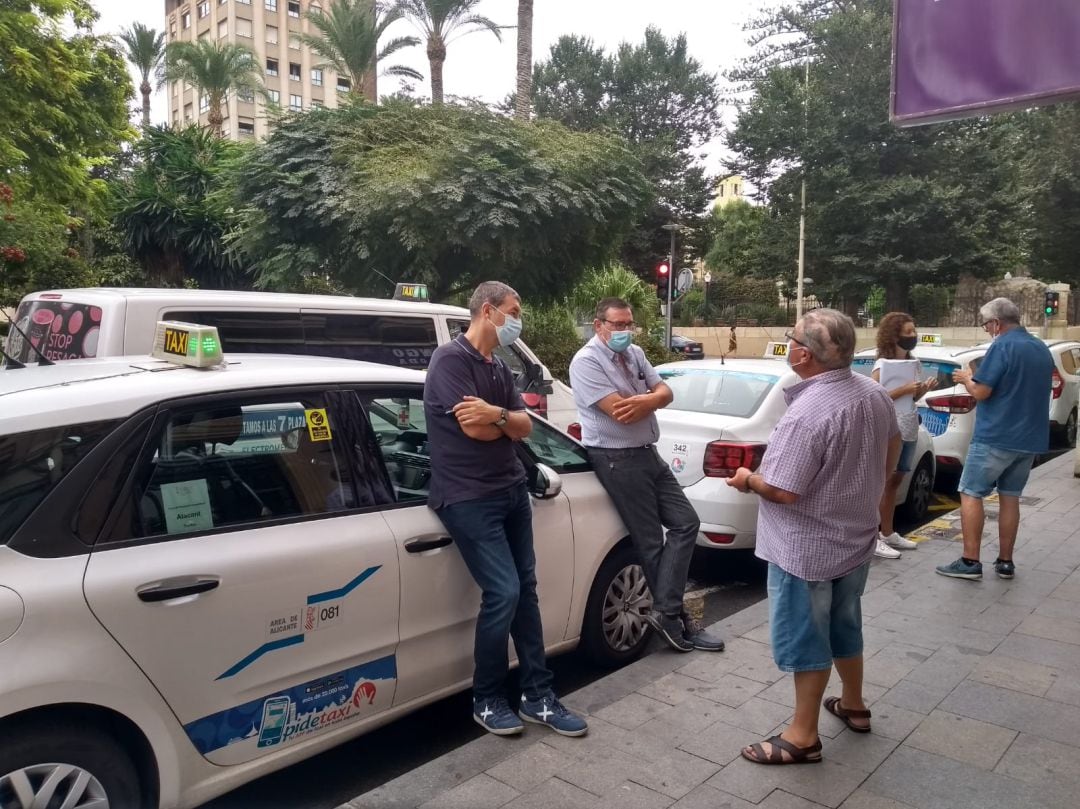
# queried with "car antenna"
point(42, 359)
point(11, 361)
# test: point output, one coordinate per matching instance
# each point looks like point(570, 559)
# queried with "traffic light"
point(663, 280)
point(1053, 301)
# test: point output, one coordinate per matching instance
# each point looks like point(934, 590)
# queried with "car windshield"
point(932, 369)
point(724, 393)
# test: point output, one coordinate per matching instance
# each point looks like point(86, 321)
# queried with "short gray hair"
point(830, 336)
point(1001, 309)
point(493, 292)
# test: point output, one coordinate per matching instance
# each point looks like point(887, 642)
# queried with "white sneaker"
point(894, 540)
point(885, 552)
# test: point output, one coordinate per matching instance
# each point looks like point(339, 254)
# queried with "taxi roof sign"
point(410, 292)
point(775, 351)
point(187, 344)
point(930, 339)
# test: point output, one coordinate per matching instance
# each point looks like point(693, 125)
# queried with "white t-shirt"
point(907, 419)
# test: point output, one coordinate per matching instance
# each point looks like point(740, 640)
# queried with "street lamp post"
point(671, 228)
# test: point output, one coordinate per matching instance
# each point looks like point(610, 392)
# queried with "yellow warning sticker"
point(318, 425)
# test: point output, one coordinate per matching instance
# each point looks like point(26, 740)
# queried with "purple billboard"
point(958, 58)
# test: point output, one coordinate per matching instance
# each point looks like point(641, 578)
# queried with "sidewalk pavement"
point(974, 688)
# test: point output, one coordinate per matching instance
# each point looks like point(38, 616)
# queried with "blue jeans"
point(495, 538)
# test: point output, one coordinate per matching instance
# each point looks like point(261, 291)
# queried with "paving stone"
point(555, 794)
point(980, 744)
point(915, 696)
point(674, 774)
point(1018, 675)
point(1043, 626)
point(719, 743)
point(1064, 656)
point(1012, 709)
point(827, 783)
point(709, 668)
point(629, 795)
point(946, 668)
point(778, 799)
point(1050, 766)
point(892, 721)
point(672, 689)
point(862, 798)
point(632, 711)
point(529, 768)
point(859, 751)
point(890, 665)
point(690, 716)
point(760, 634)
point(600, 771)
point(998, 618)
point(1065, 690)
point(931, 781)
point(731, 690)
point(762, 669)
point(707, 797)
point(757, 715)
point(1059, 607)
point(479, 792)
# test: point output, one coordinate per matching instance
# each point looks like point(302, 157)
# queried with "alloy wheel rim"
point(626, 602)
point(53, 784)
point(922, 487)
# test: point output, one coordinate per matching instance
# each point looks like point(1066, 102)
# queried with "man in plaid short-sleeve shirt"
point(820, 482)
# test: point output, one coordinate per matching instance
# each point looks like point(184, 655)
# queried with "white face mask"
point(510, 329)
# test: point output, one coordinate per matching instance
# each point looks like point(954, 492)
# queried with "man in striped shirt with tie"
point(617, 393)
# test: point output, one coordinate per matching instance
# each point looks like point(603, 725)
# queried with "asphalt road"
point(728, 582)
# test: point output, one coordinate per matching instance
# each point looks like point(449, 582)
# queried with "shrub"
point(551, 333)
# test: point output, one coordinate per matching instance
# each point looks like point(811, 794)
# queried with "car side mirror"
point(545, 483)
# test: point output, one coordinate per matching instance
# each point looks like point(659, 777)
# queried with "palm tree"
point(523, 101)
point(215, 69)
point(348, 40)
point(439, 20)
point(146, 51)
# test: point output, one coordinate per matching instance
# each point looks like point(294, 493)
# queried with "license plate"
point(934, 421)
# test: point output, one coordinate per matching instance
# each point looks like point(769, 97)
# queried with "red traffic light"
point(662, 270)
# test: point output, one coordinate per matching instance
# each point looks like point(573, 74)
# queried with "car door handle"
point(176, 588)
point(421, 545)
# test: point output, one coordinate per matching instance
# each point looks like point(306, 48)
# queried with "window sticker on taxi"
point(318, 424)
point(187, 506)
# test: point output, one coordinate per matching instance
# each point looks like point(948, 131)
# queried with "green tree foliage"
point(658, 98)
point(737, 239)
point(440, 21)
point(145, 49)
point(552, 334)
point(442, 195)
point(215, 69)
point(348, 40)
point(1051, 166)
point(613, 281)
point(886, 205)
point(63, 101)
point(172, 211)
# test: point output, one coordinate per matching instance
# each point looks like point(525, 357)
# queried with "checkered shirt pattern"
point(830, 449)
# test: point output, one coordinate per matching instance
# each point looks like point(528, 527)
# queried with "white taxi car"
point(209, 574)
point(721, 418)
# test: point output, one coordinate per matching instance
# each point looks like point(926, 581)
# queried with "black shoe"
point(1004, 569)
point(700, 638)
point(670, 629)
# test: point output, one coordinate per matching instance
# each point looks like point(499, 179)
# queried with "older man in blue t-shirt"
point(1012, 387)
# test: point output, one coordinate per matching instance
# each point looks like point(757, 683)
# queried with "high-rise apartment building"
point(272, 29)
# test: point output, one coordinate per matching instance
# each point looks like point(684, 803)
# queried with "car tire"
point(1067, 434)
point(80, 766)
point(614, 632)
point(920, 491)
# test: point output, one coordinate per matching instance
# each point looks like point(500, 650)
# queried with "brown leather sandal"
point(799, 755)
point(845, 715)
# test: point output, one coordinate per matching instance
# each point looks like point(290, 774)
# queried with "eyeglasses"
point(792, 338)
point(985, 323)
point(622, 325)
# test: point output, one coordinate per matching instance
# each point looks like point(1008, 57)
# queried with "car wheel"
point(917, 504)
point(66, 765)
point(614, 632)
point(1068, 432)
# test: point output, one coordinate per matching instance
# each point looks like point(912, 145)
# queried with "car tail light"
point(574, 431)
point(722, 458)
point(719, 539)
point(945, 460)
point(960, 403)
point(688, 350)
point(537, 402)
point(1057, 384)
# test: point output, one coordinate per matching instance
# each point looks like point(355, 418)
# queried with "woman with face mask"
point(896, 338)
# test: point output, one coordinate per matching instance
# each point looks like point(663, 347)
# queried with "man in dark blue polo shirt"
point(478, 489)
point(1012, 426)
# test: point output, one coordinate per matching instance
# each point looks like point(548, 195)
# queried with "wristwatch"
point(503, 416)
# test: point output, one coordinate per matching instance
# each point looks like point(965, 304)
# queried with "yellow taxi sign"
point(775, 351)
point(187, 344)
point(410, 292)
point(930, 339)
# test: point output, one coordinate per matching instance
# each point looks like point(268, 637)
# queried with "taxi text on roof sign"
point(775, 350)
point(411, 292)
point(930, 339)
point(187, 344)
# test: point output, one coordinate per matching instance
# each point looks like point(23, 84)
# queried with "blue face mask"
point(620, 341)
point(510, 329)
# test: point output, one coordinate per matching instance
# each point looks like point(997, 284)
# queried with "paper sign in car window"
point(318, 424)
point(187, 506)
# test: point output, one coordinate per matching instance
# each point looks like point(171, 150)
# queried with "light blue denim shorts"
point(987, 468)
point(813, 622)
